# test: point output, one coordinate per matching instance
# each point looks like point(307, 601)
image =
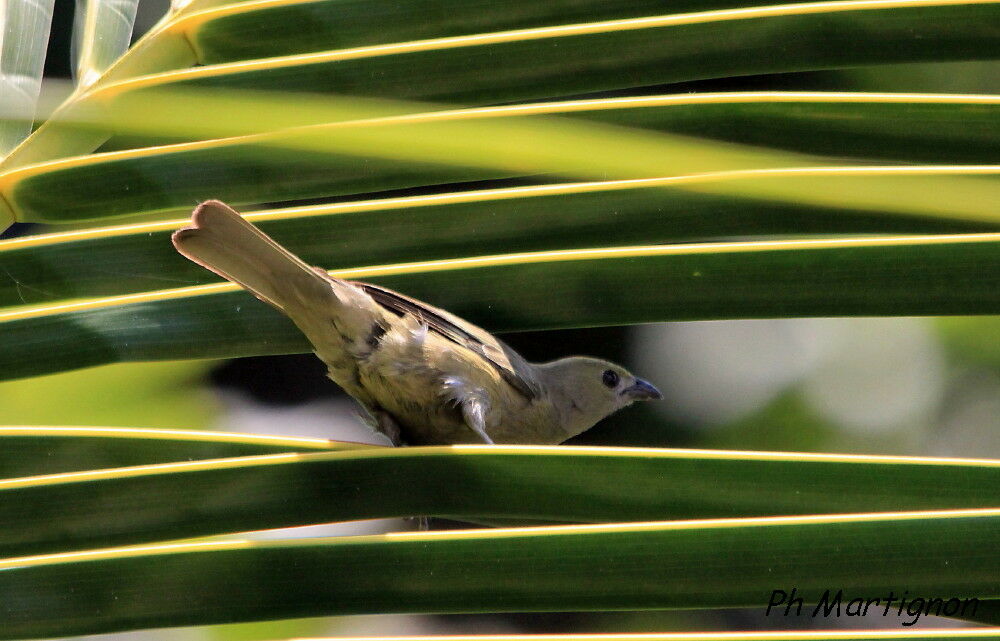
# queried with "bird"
point(421, 375)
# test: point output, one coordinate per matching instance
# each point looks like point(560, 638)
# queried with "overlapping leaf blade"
point(36, 450)
point(626, 566)
point(567, 484)
point(550, 62)
point(102, 32)
point(893, 276)
point(281, 28)
point(24, 29)
point(133, 258)
point(650, 137)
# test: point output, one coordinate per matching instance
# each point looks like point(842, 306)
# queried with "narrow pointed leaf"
point(102, 31)
point(31, 451)
point(41, 515)
point(575, 288)
point(694, 564)
point(552, 61)
point(283, 27)
point(545, 62)
point(650, 137)
point(133, 258)
point(24, 32)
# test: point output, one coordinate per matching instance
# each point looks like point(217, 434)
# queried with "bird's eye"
point(610, 378)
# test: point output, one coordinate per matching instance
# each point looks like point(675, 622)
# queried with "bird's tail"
point(220, 240)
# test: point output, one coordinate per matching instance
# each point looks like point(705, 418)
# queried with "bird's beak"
point(642, 390)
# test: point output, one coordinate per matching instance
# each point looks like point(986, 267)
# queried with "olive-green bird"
point(425, 376)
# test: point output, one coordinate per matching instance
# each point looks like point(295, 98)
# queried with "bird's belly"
point(415, 403)
point(414, 394)
point(430, 425)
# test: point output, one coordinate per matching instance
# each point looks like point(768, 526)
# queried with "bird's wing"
point(511, 367)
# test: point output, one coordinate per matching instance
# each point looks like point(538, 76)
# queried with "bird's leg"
point(386, 424)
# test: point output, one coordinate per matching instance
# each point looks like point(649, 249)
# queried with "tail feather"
point(220, 240)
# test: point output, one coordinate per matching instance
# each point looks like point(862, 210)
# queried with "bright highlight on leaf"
point(24, 31)
point(101, 34)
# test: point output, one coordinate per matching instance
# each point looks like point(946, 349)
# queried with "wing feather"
point(510, 366)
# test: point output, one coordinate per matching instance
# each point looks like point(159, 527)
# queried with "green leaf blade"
point(916, 275)
point(566, 484)
point(646, 53)
point(131, 259)
point(39, 450)
point(627, 566)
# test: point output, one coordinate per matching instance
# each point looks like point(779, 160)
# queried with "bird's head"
point(588, 389)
